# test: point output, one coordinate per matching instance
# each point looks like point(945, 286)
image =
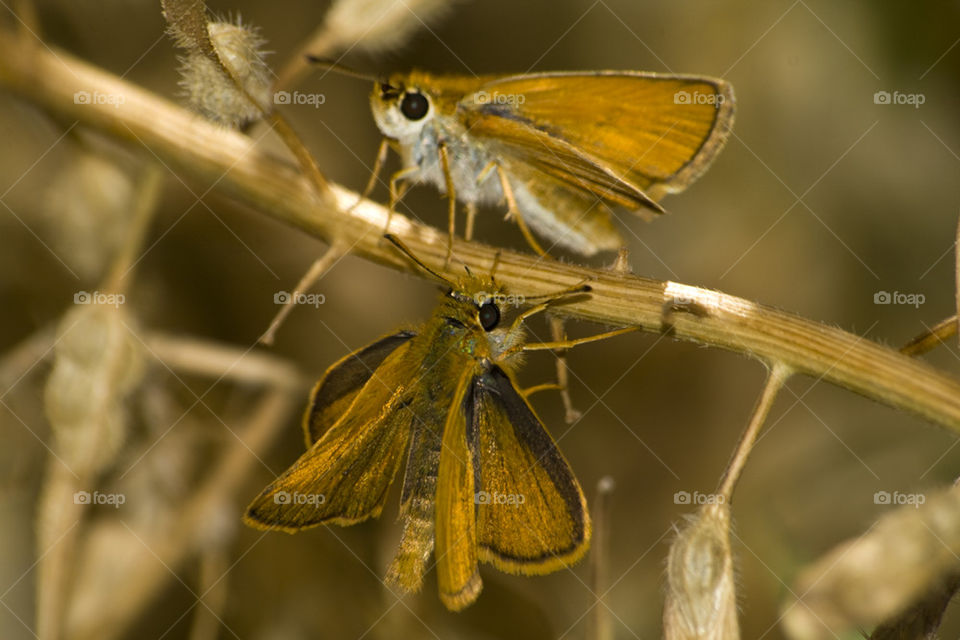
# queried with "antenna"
point(333, 65)
point(415, 260)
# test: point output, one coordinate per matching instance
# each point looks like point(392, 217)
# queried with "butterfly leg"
point(514, 211)
point(377, 168)
point(471, 216)
point(546, 386)
point(395, 190)
point(569, 344)
point(452, 198)
point(563, 371)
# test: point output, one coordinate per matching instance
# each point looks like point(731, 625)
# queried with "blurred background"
point(823, 197)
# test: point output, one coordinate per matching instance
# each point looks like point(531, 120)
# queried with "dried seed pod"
point(905, 557)
point(224, 75)
point(97, 363)
point(701, 598)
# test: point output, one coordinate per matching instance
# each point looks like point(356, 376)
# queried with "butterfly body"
point(570, 145)
point(443, 400)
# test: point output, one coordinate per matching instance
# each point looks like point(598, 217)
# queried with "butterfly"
point(483, 481)
point(561, 149)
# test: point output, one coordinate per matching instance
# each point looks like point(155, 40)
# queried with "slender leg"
point(547, 386)
point(395, 193)
point(563, 371)
point(544, 305)
point(568, 344)
point(377, 168)
point(514, 211)
point(471, 215)
point(452, 199)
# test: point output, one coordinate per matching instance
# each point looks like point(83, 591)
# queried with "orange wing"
point(531, 513)
point(626, 137)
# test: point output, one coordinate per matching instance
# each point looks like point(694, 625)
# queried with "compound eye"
point(414, 105)
point(489, 316)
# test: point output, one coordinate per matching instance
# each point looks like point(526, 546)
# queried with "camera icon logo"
point(882, 297)
point(281, 297)
point(81, 97)
point(482, 497)
point(681, 497)
point(81, 497)
point(281, 497)
point(881, 97)
point(681, 97)
point(881, 497)
point(281, 97)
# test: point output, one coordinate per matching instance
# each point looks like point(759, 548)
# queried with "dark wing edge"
point(334, 392)
point(530, 432)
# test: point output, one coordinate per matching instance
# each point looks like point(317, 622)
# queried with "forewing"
point(338, 388)
point(345, 476)
point(625, 137)
point(456, 539)
point(531, 513)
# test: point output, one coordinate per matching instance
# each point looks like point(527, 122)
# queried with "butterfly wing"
point(345, 475)
point(531, 513)
point(339, 386)
point(625, 137)
point(456, 535)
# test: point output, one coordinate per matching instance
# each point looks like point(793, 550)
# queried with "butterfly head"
point(478, 308)
point(401, 107)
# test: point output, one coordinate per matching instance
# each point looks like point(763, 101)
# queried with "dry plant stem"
point(319, 267)
point(302, 154)
point(599, 625)
point(268, 419)
point(956, 263)
point(221, 361)
point(206, 152)
point(57, 522)
point(144, 206)
point(775, 380)
point(931, 339)
point(213, 590)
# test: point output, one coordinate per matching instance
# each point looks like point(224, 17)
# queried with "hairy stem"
point(50, 78)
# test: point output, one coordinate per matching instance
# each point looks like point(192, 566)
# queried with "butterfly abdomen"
point(417, 506)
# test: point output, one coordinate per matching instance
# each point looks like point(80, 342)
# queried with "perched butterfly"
point(560, 149)
point(484, 481)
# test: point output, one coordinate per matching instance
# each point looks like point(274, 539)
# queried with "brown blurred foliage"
point(822, 198)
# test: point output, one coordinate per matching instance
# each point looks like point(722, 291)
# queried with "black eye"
point(489, 316)
point(414, 105)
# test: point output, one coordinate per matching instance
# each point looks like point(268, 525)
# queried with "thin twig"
point(319, 267)
point(932, 338)
point(778, 375)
